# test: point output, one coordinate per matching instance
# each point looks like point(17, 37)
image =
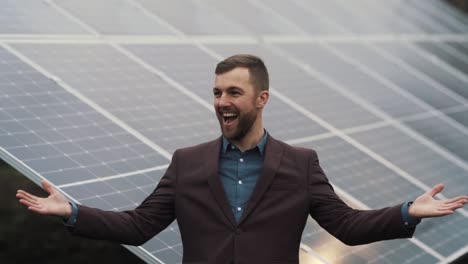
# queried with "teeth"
point(229, 115)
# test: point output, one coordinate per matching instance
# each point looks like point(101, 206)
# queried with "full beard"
point(244, 126)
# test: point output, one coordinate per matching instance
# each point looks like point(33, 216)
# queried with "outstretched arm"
point(54, 204)
point(426, 206)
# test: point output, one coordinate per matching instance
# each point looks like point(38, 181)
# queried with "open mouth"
point(229, 117)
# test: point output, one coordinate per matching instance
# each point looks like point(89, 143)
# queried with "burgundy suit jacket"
point(291, 186)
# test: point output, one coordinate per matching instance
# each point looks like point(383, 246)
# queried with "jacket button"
point(238, 231)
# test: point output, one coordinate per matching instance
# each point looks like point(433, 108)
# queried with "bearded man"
point(245, 197)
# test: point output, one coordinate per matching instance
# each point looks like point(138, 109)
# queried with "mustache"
point(227, 109)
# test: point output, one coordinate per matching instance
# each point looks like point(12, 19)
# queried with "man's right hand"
point(54, 204)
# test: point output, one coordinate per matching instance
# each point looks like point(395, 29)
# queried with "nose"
point(223, 101)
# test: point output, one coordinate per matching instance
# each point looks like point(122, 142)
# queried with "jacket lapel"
point(273, 154)
point(214, 180)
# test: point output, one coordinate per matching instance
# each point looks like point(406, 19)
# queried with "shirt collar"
point(260, 146)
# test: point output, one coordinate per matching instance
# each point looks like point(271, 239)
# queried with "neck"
point(251, 139)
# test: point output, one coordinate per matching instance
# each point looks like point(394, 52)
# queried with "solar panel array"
point(95, 96)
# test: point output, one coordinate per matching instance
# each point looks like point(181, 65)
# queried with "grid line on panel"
point(280, 17)
point(125, 89)
point(64, 12)
point(442, 64)
point(147, 256)
point(448, 19)
point(375, 125)
point(115, 191)
point(165, 77)
point(384, 116)
point(228, 39)
point(373, 38)
point(95, 106)
point(400, 19)
point(38, 141)
point(308, 250)
point(314, 12)
point(391, 16)
point(418, 74)
point(122, 175)
point(154, 17)
point(455, 255)
point(394, 87)
point(454, 52)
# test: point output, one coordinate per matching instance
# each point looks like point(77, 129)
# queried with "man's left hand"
point(426, 206)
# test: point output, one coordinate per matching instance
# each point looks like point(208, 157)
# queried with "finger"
point(455, 206)
point(456, 199)
point(28, 195)
point(436, 189)
point(35, 209)
point(48, 187)
point(31, 201)
point(28, 203)
point(23, 196)
point(444, 213)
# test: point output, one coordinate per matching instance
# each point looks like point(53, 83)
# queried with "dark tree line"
point(29, 238)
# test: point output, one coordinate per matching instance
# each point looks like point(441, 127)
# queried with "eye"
point(234, 93)
point(216, 93)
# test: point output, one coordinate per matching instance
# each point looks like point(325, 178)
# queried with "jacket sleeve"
point(137, 226)
point(351, 226)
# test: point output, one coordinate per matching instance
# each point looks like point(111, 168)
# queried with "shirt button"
point(232, 147)
point(240, 182)
point(241, 160)
point(239, 209)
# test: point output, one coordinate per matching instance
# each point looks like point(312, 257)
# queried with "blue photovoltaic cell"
point(441, 13)
point(119, 17)
point(305, 16)
point(450, 55)
point(461, 116)
point(59, 136)
point(34, 17)
point(354, 79)
point(348, 167)
point(416, 158)
point(194, 17)
point(425, 65)
point(136, 96)
point(386, 65)
point(455, 141)
point(256, 19)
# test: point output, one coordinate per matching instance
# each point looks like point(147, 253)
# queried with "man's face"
point(235, 103)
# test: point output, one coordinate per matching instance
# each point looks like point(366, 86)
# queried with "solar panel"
point(115, 17)
point(35, 17)
point(96, 96)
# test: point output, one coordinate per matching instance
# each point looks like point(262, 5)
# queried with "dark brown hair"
point(257, 69)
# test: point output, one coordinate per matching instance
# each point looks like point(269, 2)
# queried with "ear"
point(262, 98)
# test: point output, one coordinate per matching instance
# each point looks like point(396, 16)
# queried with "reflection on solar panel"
point(96, 96)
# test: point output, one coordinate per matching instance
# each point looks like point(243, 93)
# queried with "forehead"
point(239, 77)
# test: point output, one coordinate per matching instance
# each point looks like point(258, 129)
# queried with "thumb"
point(48, 187)
point(436, 189)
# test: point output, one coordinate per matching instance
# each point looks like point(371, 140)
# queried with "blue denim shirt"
point(239, 172)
